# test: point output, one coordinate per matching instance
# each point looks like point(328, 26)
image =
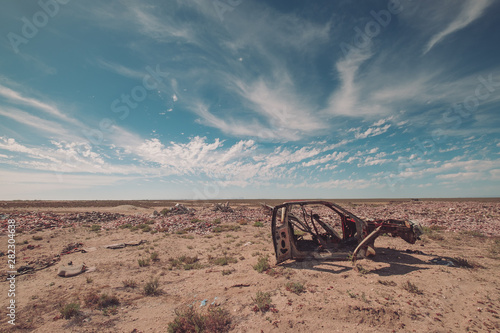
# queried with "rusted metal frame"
point(364, 243)
point(304, 217)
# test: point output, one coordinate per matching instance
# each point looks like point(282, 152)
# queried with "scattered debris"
point(414, 251)
point(38, 264)
point(71, 270)
point(180, 209)
point(464, 217)
point(72, 248)
point(122, 245)
point(222, 207)
point(442, 261)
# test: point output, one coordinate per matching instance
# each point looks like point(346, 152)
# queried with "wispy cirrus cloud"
point(345, 100)
point(19, 98)
point(121, 69)
point(471, 11)
point(40, 125)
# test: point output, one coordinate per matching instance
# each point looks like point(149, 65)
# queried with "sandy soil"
point(375, 296)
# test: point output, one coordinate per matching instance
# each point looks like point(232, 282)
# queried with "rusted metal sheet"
point(317, 229)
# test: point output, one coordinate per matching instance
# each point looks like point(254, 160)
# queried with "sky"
point(209, 99)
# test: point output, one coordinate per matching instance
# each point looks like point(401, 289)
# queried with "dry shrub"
point(70, 310)
point(262, 264)
point(263, 302)
point(411, 288)
point(189, 320)
point(152, 288)
point(295, 287)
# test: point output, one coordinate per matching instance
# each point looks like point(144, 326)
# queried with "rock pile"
point(222, 207)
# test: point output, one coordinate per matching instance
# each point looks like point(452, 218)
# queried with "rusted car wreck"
point(323, 230)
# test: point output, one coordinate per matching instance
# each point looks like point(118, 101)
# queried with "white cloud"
point(349, 184)
point(121, 70)
point(278, 101)
point(372, 131)
point(461, 176)
point(335, 156)
point(38, 124)
point(240, 128)
point(472, 10)
point(17, 97)
point(370, 161)
point(345, 100)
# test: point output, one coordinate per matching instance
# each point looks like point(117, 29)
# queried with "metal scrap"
point(324, 230)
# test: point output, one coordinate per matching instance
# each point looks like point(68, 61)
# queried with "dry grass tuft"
point(411, 288)
point(189, 320)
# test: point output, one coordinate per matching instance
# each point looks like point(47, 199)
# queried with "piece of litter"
point(442, 261)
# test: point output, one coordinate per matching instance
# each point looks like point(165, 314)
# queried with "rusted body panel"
point(324, 230)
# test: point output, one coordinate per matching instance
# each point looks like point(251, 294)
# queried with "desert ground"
point(165, 268)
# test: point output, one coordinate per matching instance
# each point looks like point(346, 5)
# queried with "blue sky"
point(211, 99)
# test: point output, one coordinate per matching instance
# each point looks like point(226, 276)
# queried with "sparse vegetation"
point(189, 320)
point(464, 263)
point(223, 261)
point(70, 310)
point(258, 224)
point(145, 227)
point(95, 227)
point(129, 283)
point(433, 232)
point(361, 270)
point(106, 301)
point(387, 283)
point(143, 262)
point(295, 287)
point(154, 256)
point(262, 264)
point(411, 288)
point(494, 249)
point(227, 271)
point(186, 262)
point(195, 265)
point(187, 236)
point(152, 288)
point(226, 227)
point(472, 233)
point(263, 302)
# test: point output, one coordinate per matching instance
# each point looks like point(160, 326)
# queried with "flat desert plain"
point(217, 270)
